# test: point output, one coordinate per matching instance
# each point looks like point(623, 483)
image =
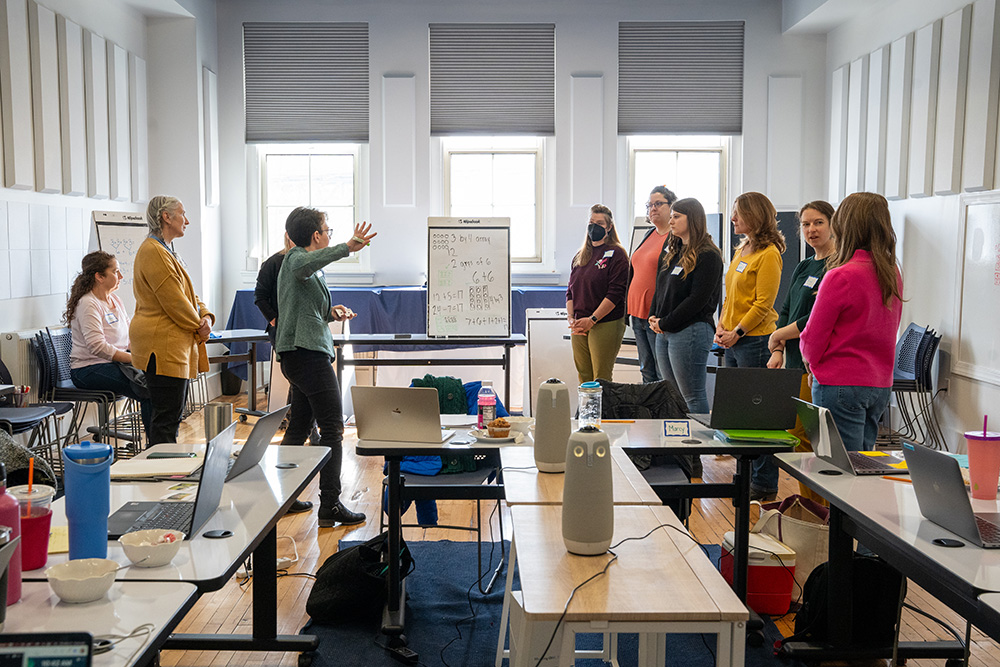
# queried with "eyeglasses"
point(654, 205)
point(327, 231)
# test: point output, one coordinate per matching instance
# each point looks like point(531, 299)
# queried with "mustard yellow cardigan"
point(167, 314)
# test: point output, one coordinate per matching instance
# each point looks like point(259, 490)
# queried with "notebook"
point(753, 398)
point(186, 517)
point(942, 498)
point(398, 414)
point(65, 649)
point(168, 467)
point(826, 442)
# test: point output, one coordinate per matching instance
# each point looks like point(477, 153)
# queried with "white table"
point(250, 508)
point(126, 606)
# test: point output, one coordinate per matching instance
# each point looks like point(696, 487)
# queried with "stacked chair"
point(913, 387)
point(37, 420)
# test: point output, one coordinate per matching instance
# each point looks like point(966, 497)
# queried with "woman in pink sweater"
point(849, 344)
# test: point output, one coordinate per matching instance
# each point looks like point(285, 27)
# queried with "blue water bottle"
point(88, 498)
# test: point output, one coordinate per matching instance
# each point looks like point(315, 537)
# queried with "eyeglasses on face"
point(327, 231)
point(654, 205)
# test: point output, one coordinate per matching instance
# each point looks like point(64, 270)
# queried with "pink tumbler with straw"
point(984, 462)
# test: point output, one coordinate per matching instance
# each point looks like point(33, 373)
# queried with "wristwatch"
point(593, 319)
point(739, 331)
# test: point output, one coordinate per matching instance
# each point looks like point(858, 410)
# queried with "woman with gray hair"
point(171, 323)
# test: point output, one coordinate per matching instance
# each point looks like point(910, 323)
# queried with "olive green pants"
point(594, 354)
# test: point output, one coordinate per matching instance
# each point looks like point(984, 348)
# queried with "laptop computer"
point(828, 445)
point(66, 649)
point(942, 498)
point(255, 446)
point(186, 517)
point(753, 398)
point(398, 414)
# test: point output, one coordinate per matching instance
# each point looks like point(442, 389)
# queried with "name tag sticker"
point(677, 270)
point(110, 318)
point(610, 253)
point(741, 267)
point(811, 282)
point(676, 428)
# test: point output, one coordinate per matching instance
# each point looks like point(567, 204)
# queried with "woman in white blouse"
point(100, 358)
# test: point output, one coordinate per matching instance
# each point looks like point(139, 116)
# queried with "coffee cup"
point(36, 520)
point(984, 463)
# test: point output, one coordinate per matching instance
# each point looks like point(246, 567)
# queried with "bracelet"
point(359, 240)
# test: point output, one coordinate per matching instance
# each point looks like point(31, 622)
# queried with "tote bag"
point(803, 525)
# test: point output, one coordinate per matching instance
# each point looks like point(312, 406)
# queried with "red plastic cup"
point(984, 463)
point(36, 519)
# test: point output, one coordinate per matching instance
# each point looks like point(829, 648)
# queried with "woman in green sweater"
point(814, 220)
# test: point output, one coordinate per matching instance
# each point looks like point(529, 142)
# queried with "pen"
point(617, 421)
point(897, 479)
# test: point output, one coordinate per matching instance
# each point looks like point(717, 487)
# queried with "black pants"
point(316, 398)
point(168, 396)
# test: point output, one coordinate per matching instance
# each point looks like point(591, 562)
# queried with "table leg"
point(252, 376)
point(393, 620)
point(506, 373)
point(839, 600)
point(741, 535)
point(505, 611)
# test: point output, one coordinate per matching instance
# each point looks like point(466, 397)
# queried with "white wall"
point(928, 227)
point(586, 43)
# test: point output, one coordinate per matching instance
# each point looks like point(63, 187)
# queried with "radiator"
point(20, 360)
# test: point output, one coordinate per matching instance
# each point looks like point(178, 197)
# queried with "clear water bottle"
point(590, 405)
point(487, 402)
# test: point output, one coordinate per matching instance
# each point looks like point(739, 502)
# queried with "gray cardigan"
point(304, 300)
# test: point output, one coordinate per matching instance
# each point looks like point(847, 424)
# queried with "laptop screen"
point(46, 649)
point(213, 474)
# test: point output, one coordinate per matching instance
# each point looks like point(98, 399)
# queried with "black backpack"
point(875, 587)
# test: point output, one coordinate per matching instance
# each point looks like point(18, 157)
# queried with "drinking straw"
point(31, 480)
point(985, 417)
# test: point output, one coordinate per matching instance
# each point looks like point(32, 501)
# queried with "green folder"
point(736, 436)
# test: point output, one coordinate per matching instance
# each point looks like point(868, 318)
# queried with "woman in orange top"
point(642, 269)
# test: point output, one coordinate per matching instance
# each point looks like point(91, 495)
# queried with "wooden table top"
point(665, 577)
point(539, 488)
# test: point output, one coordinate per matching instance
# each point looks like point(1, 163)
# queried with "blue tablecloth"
point(393, 309)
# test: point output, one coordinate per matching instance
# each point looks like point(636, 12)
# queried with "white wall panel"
point(952, 94)
point(118, 132)
point(210, 106)
point(838, 133)
point(897, 136)
point(586, 135)
point(399, 145)
point(980, 138)
point(923, 109)
point(72, 107)
point(45, 98)
point(95, 79)
point(784, 141)
point(857, 122)
point(3, 227)
point(878, 108)
point(139, 128)
point(15, 96)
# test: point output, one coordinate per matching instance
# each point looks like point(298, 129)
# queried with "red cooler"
point(771, 573)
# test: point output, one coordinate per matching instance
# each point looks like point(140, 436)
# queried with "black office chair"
point(35, 419)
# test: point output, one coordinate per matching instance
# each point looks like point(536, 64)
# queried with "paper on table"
point(874, 453)
point(59, 540)
point(459, 420)
point(129, 468)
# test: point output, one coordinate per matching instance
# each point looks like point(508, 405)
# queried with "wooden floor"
point(229, 609)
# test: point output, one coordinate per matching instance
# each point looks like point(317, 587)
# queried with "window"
point(691, 166)
point(322, 176)
point(498, 177)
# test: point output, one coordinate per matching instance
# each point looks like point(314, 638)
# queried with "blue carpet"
point(438, 599)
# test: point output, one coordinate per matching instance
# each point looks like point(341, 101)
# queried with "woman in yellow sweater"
point(171, 323)
point(748, 313)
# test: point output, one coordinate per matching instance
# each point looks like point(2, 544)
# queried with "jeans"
point(645, 343)
point(856, 411)
point(316, 398)
point(110, 377)
point(168, 396)
point(751, 352)
point(682, 358)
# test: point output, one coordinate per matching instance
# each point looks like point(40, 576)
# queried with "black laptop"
point(753, 398)
point(942, 498)
point(187, 517)
point(66, 649)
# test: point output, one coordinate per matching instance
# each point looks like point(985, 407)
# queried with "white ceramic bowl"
point(144, 549)
point(520, 424)
point(82, 580)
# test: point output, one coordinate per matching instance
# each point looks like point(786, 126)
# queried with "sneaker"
point(762, 495)
point(299, 506)
point(330, 516)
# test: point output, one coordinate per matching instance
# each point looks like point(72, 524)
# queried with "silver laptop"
point(828, 445)
point(753, 398)
point(398, 414)
point(255, 446)
point(942, 498)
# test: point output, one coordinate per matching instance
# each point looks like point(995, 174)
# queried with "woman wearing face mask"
point(642, 276)
point(595, 298)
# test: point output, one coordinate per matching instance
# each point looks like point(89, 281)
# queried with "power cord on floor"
point(281, 564)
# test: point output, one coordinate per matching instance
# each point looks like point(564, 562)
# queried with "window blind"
point(306, 81)
point(680, 77)
point(492, 78)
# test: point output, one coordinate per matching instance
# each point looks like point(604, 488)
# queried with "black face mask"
point(596, 232)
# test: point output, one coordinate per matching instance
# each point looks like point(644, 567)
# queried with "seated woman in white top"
point(100, 358)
